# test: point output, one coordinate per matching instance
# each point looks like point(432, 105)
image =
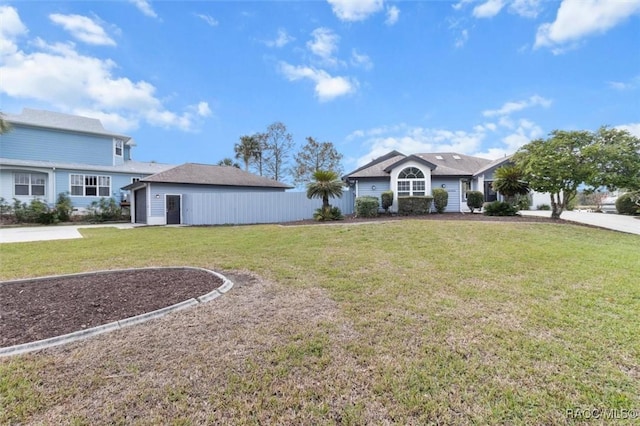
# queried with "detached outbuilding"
point(202, 194)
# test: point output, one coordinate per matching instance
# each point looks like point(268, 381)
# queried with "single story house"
point(192, 194)
point(419, 174)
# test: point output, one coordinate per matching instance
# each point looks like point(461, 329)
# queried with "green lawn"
point(408, 322)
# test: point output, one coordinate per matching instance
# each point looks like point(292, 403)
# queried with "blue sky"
point(186, 79)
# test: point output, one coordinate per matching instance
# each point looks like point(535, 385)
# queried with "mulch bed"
point(478, 217)
point(38, 309)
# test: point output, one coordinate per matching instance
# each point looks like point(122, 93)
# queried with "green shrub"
point(414, 206)
point(6, 210)
point(387, 200)
point(626, 203)
point(333, 213)
point(37, 211)
point(440, 199)
point(522, 201)
point(543, 207)
point(64, 207)
point(104, 210)
point(475, 199)
point(367, 206)
point(500, 208)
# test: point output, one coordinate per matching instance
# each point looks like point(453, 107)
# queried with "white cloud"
point(510, 107)
point(83, 28)
point(203, 109)
point(412, 140)
point(633, 128)
point(462, 39)
point(145, 7)
point(324, 44)
point(523, 134)
point(393, 14)
point(577, 19)
point(210, 20)
point(355, 10)
point(59, 76)
point(11, 29)
point(327, 87)
point(489, 9)
point(361, 60)
point(281, 40)
point(525, 8)
point(625, 85)
point(461, 4)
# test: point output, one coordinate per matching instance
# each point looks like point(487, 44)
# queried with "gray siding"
point(24, 143)
point(365, 187)
point(452, 186)
point(237, 205)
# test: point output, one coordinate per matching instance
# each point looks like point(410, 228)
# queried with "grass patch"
point(403, 322)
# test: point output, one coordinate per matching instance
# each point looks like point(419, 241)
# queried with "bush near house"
point(475, 200)
point(107, 209)
point(626, 203)
point(333, 213)
point(543, 207)
point(500, 208)
point(440, 199)
point(387, 200)
point(367, 206)
point(522, 201)
point(414, 206)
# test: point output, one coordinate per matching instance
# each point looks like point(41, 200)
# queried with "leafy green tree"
point(325, 185)
point(315, 156)
point(228, 162)
point(247, 150)
point(568, 159)
point(276, 151)
point(509, 181)
point(4, 124)
point(616, 157)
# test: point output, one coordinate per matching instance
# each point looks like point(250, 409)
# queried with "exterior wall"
point(452, 186)
point(394, 180)
point(207, 205)
point(118, 180)
point(26, 143)
point(371, 188)
point(7, 188)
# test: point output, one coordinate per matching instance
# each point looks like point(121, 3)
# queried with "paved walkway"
point(616, 222)
point(44, 233)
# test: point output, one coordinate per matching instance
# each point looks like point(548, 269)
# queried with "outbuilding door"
point(141, 205)
point(173, 209)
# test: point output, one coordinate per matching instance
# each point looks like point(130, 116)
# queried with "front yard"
point(406, 322)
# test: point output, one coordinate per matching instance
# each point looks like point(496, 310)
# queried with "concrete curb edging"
point(116, 325)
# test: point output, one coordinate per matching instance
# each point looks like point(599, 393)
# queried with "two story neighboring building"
point(47, 153)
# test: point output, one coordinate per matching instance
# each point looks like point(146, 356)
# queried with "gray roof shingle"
point(60, 121)
point(447, 164)
point(207, 174)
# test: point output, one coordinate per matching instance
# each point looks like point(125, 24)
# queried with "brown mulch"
point(477, 217)
point(38, 309)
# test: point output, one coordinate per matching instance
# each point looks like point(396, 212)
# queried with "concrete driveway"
point(44, 233)
point(615, 222)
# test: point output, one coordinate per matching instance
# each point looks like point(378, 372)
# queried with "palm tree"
point(508, 181)
point(325, 185)
point(228, 162)
point(247, 149)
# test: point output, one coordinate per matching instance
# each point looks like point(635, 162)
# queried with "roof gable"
point(376, 168)
point(413, 157)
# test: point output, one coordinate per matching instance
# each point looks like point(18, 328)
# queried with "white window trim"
point(117, 142)
point(83, 178)
point(30, 184)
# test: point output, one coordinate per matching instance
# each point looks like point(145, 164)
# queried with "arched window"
point(411, 182)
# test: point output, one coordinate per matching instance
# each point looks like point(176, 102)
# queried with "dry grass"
point(403, 323)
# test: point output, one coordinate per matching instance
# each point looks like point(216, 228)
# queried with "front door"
point(489, 194)
point(140, 205)
point(173, 209)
